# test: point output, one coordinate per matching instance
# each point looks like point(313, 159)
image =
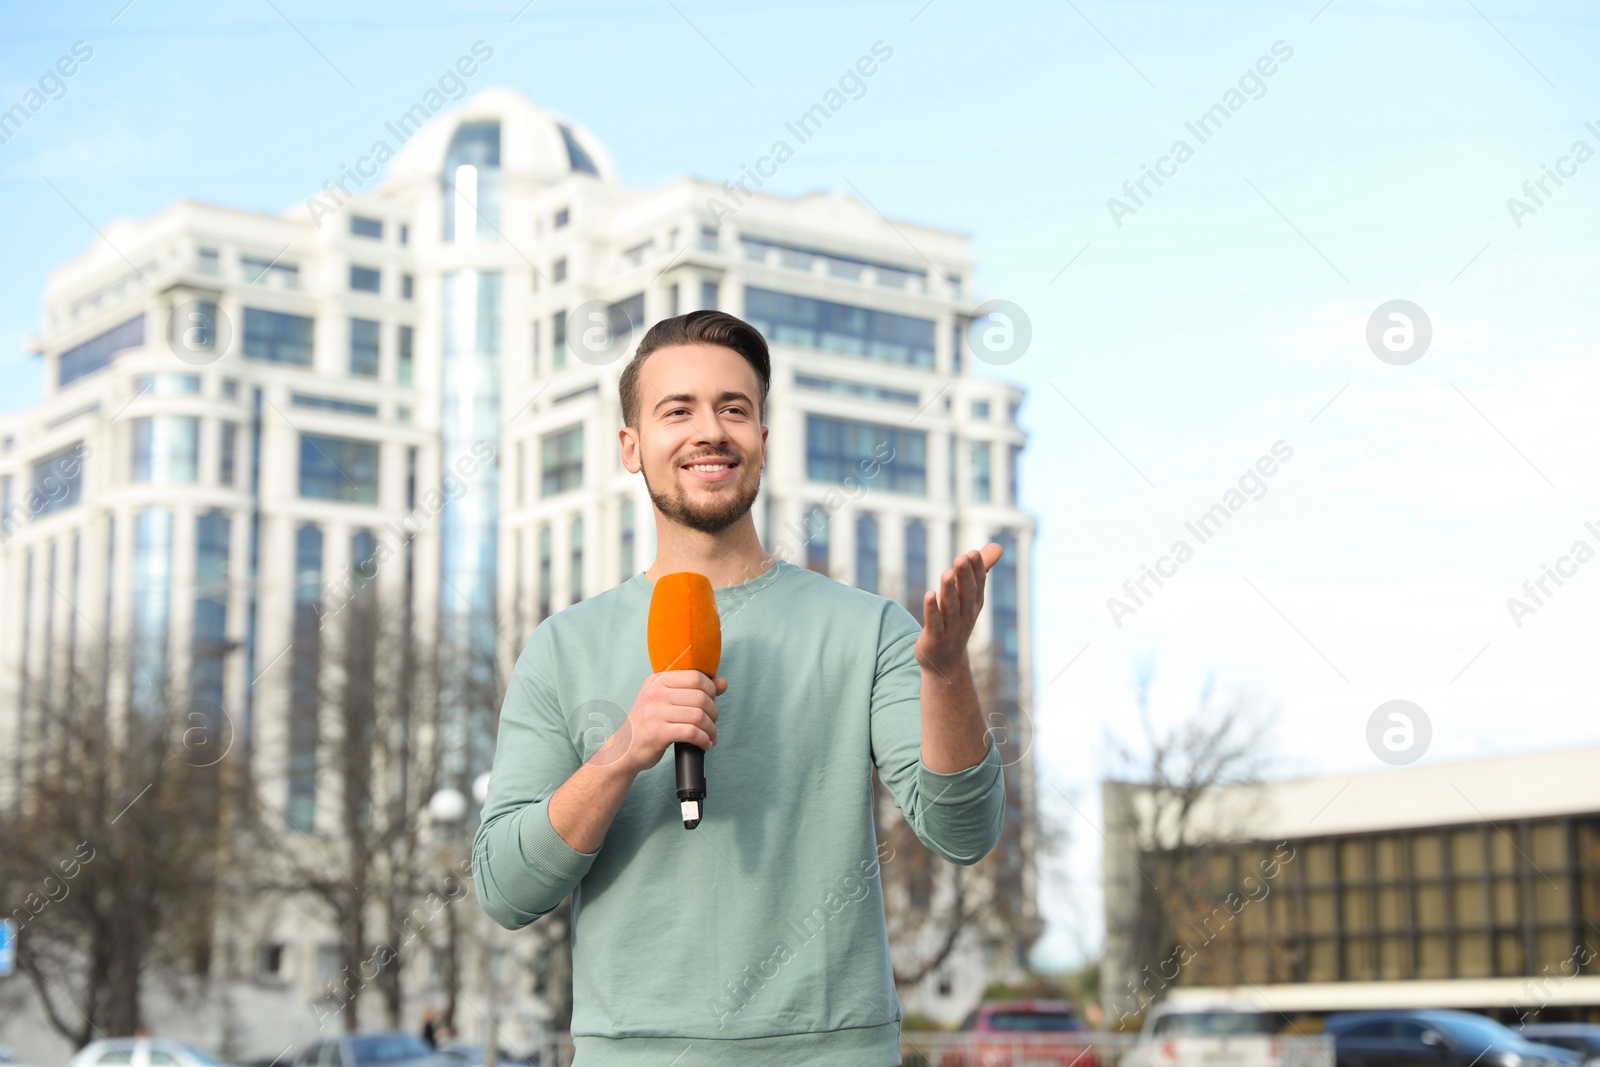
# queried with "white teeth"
point(707, 466)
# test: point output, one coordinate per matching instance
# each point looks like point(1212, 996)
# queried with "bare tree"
point(109, 853)
point(1166, 874)
point(929, 903)
point(357, 673)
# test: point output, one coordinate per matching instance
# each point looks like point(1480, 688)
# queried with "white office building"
point(243, 412)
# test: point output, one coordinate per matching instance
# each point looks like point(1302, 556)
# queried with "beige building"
point(1464, 885)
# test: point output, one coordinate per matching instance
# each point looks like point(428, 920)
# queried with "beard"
point(728, 503)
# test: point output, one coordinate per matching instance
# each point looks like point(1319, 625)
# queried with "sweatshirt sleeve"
point(958, 814)
point(521, 866)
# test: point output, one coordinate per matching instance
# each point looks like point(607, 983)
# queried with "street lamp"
point(448, 808)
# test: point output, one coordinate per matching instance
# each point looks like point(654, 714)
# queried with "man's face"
point(698, 409)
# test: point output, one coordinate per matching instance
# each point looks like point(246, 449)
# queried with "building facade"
point(413, 385)
point(1470, 885)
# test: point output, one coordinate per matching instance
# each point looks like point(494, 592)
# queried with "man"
point(757, 937)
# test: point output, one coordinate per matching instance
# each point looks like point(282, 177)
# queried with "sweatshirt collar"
point(726, 592)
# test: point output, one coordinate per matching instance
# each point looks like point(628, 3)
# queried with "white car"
point(1202, 1034)
point(142, 1052)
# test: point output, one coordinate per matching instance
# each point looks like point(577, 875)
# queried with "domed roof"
point(533, 142)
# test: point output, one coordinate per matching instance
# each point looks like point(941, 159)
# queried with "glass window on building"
point(165, 449)
point(980, 409)
point(561, 461)
point(471, 183)
point(333, 403)
point(227, 456)
point(361, 226)
point(558, 270)
point(96, 353)
point(1002, 582)
point(816, 529)
point(867, 552)
point(708, 238)
point(1013, 473)
point(230, 388)
point(407, 354)
point(209, 637)
point(958, 343)
point(625, 319)
point(258, 270)
point(365, 279)
point(674, 301)
point(563, 216)
point(916, 566)
point(558, 339)
point(303, 680)
point(627, 522)
point(577, 558)
point(152, 605)
point(207, 261)
point(338, 468)
point(167, 384)
point(708, 295)
point(545, 553)
point(57, 480)
point(579, 159)
point(405, 234)
point(192, 327)
point(408, 286)
point(882, 336)
point(980, 471)
point(886, 457)
point(364, 347)
point(277, 337)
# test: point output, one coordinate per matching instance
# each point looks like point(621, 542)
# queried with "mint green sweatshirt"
point(758, 937)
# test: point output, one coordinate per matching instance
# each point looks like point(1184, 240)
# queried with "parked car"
point(1194, 1033)
point(390, 1048)
point(1021, 1033)
point(1575, 1037)
point(142, 1052)
point(1437, 1038)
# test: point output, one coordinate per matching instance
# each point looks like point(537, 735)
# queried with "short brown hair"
point(698, 328)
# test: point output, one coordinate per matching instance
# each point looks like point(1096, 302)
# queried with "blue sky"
point(1227, 312)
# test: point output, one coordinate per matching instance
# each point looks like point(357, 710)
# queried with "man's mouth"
point(711, 470)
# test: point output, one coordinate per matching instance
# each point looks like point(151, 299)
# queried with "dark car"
point(1577, 1037)
point(1436, 1038)
point(389, 1049)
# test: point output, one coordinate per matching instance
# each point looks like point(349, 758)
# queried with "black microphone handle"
point(691, 763)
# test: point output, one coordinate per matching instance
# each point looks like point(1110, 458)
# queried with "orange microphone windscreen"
point(685, 633)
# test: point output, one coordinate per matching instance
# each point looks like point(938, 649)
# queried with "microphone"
point(685, 634)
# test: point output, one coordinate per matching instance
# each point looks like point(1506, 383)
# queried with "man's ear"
point(630, 450)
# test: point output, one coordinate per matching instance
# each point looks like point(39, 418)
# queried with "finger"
point(687, 679)
point(932, 617)
point(692, 697)
point(950, 591)
point(972, 567)
point(722, 685)
point(691, 733)
point(702, 717)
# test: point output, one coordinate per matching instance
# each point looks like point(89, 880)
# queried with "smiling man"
point(758, 937)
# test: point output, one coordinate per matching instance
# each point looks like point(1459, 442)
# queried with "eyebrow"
point(682, 398)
